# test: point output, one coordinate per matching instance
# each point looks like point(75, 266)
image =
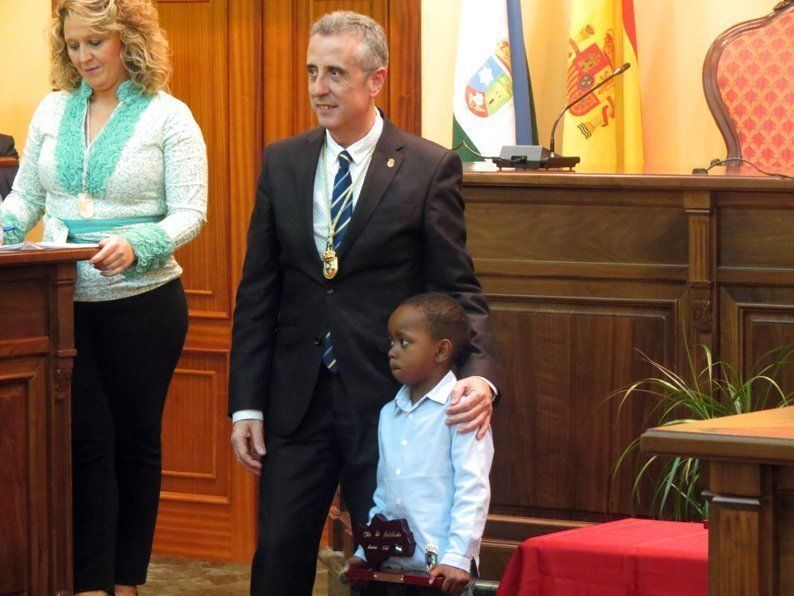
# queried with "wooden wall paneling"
point(284, 72)
point(756, 323)
point(246, 125)
point(207, 503)
point(197, 33)
point(755, 237)
point(23, 396)
point(196, 461)
point(566, 357)
point(405, 74)
point(755, 277)
point(699, 319)
point(655, 332)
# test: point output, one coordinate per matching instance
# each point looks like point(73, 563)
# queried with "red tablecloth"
point(630, 557)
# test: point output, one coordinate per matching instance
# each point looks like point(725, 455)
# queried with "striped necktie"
point(342, 183)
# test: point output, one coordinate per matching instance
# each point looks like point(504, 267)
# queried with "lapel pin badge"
point(390, 163)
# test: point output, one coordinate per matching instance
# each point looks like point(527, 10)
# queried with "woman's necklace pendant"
point(330, 262)
point(85, 205)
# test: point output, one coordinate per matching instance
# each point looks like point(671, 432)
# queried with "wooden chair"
point(748, 78)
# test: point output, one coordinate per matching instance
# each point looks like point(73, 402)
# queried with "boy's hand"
point(455, 580)
point(353, 563)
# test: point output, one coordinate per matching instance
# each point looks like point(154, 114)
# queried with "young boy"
point(428, 473)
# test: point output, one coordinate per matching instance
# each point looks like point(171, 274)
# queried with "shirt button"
point(410, 416)
point(397, 471)
point(316, 340)
point(329, 290)
point(404, 442)
point(399, 501)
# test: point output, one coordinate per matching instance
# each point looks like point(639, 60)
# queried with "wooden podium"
point(36, 352)
point(751, 496)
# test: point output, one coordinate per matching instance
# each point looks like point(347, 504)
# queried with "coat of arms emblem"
point(491, 87)
point(588, 65)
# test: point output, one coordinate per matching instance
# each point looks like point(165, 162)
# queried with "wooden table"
point(751, 494)
point(36, 352)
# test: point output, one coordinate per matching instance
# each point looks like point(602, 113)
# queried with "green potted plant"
point(715, 390)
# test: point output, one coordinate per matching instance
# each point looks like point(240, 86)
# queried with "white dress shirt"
point(359, 151)
point(434, 477)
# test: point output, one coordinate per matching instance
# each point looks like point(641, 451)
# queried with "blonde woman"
point(112, 158)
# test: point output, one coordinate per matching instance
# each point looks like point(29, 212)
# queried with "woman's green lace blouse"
point(148, 160)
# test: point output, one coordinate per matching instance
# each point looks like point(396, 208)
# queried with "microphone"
point(618, 71)
point(534, 156)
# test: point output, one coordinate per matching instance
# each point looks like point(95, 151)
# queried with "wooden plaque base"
point(415, 578)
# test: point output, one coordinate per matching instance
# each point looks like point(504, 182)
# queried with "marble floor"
point(188, 577)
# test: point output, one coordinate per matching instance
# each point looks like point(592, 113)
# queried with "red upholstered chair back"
point(748, 77)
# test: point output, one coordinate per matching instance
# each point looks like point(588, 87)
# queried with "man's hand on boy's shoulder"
point(455, 580)
point(471, 406)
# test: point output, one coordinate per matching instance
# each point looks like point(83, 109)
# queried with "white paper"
point(43, 246)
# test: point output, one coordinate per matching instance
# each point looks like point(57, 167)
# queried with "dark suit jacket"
point(7, 146)
point(407, 236)
point(7, 173)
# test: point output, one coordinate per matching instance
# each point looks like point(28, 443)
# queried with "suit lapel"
point(386, 160)
point(305, 171)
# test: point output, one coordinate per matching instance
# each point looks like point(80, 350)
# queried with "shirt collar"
point(439, 393)
point(358, 150)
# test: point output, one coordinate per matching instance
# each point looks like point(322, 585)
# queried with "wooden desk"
point(586, 272)
point(751, 494)
point(36, 352)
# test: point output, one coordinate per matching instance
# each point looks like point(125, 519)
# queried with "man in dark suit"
point(350, 219)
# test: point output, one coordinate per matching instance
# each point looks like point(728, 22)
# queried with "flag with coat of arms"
point(492, 104)
point(604, 129)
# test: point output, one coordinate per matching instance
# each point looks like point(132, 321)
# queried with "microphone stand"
point(529, 156)
point(618, 71)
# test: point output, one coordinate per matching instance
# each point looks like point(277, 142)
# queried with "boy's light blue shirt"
point(434, 477)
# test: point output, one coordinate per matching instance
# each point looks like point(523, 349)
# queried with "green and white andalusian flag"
point(492, 105)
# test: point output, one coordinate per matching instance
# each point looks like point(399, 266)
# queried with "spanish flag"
point(605, 129)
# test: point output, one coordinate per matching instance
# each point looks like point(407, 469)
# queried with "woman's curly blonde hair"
point(144, 47)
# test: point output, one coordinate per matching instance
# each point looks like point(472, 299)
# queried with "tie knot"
point(344, 160)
